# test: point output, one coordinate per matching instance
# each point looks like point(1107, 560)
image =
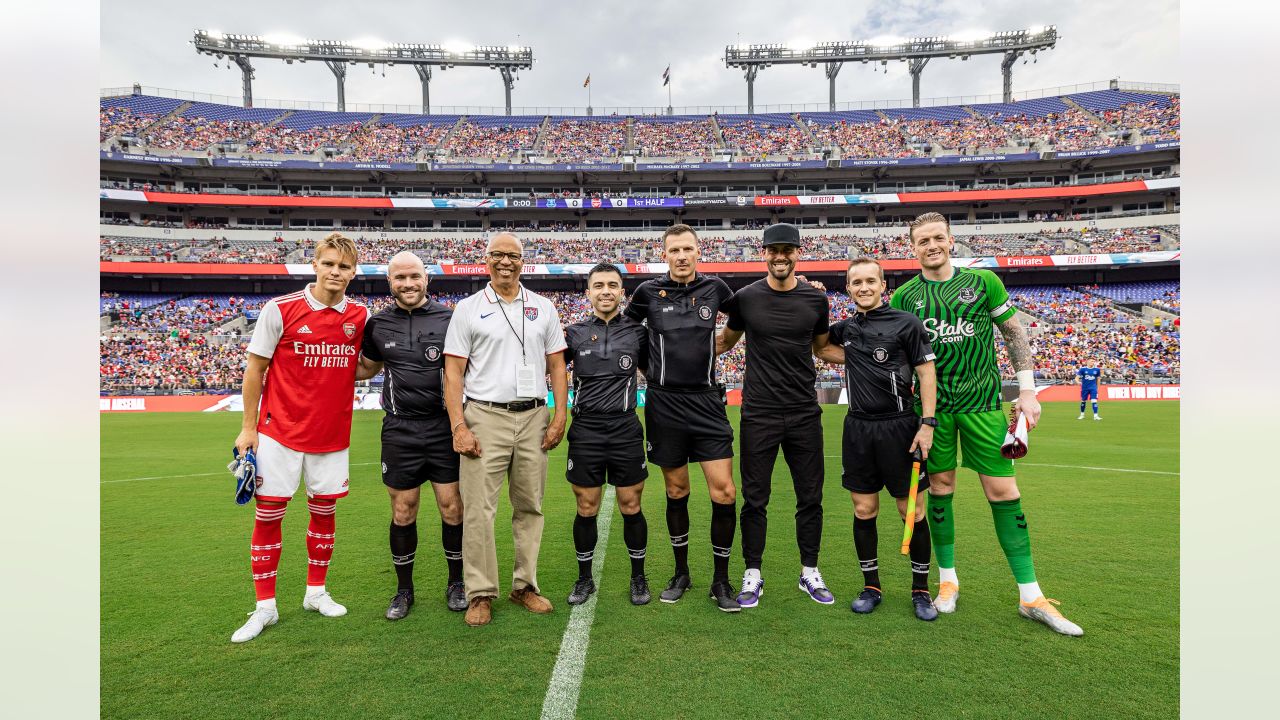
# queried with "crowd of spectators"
point(1060, 305)
point(1071, 129)
point(386, 142)
point(865, 140)
point(691, 139)
point(761, 139)
point(1127, 240)
point(500, 142)
point(1154, 121)
point(1133, 353)
point(579, 140)
point(299, 141)
point(197, 133)
point(120, 249)
point(116, 121)
point(971, 135)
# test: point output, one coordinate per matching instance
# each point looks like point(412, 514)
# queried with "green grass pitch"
point(175, 584)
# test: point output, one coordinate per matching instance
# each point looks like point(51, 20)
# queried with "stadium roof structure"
point(338, 54)
point(915, 51)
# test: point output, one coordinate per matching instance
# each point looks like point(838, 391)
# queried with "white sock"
point(751, 573)
point(807, 571)
point(268, 603)
point(1028, 592)
point(948, 575)
point(314, 590)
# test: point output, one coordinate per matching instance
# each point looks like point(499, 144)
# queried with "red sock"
point(264, 550)
point(319, 540)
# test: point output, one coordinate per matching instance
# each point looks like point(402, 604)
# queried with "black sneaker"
point(640, 590)
point(723, 594)
point(675, 589)
point(582, 589)
point(400, 605)
point(455, 596)
point(866, 601)
point(924, 605)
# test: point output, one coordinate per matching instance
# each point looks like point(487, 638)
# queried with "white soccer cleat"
point(1097, 417)
point(1043, 610)
point(258, 619)
point(324, 604)
point(945, 602)
point(1081, 416)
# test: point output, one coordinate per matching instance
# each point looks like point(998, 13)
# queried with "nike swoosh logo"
point(485, 316)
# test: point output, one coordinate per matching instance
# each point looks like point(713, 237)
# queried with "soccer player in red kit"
point(310, 341)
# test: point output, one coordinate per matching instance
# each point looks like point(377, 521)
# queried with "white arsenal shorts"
point(280, 468)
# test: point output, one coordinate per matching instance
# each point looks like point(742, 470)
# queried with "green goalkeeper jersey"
point(960, 315)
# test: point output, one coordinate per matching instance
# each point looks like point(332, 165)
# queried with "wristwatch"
point(930, 421)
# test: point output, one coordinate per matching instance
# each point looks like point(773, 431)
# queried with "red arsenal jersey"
point(310, 383)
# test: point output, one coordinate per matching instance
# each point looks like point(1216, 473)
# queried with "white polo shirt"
point(496, 337)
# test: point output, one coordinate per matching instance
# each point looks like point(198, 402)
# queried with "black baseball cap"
point(781, 234)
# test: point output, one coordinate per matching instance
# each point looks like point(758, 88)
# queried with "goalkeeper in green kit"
point(960, 307)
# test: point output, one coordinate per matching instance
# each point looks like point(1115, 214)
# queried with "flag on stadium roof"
point(587, 81)
point(666, 76)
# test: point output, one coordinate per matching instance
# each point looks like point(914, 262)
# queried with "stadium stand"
point(576, 139)
point(397, 137)
point(305, 131)
point(499, 137)
point(765, 135)
point(673, 136)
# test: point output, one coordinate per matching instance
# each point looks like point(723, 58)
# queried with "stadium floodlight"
point(337, 55)
point(916, 51)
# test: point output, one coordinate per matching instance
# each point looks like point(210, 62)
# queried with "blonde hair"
point(925, 219)
point(864, 260)
point(343, 244)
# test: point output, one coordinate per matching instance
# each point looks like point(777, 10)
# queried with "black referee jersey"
point(681, 318)
point(410, 343)
point(881, 349)
point(605, 358)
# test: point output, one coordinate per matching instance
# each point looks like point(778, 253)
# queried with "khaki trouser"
point(510, 442)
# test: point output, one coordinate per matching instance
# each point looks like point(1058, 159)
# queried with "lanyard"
point(519, 336)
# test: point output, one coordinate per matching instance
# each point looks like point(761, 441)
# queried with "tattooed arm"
point(1019, 347)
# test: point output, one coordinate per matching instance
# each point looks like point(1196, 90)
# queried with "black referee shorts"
point(685, 427)
point(415, 451)
point(606, 448)
point(877, 455)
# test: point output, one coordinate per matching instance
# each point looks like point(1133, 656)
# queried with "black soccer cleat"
point(924, 605)
point(455, 596)
point(640, 590)
point(867, 601)
point(400, 605)
point(675, 589)
point(723, 594)
point(583, 589)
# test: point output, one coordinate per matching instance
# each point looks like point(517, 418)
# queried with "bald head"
point(407, 277)
point(505, 241)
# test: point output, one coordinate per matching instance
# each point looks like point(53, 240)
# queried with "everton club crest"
point(968, 295)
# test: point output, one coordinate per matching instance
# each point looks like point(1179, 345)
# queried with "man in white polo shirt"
point(502, 343)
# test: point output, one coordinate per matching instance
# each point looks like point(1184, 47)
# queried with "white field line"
point(174, 477)
point(566, 679)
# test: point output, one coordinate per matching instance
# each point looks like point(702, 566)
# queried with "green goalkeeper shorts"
point(980, 436)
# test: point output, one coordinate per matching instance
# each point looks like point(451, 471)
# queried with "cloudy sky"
point(626, 45)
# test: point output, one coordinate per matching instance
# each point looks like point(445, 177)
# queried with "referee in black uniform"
point(880, 347)
point(407, 339)
point(684, 413)
point(785, 321)
point(606, 441)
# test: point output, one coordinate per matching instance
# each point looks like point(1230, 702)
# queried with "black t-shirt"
point(411, 346)
point(681, 318)
point(881, 350)
point(780, 328)
point(605, 357)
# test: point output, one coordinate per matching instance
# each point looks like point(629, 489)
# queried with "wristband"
point(1026, 380)
point(455, 427)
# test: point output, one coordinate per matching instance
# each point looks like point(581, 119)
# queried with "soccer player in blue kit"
point(1088, 389)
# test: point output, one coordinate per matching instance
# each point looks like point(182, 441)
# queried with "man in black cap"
point(785, 321)
point(881, 349)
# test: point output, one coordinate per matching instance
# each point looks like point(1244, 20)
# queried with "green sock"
point(1015, 539)
point(942, 530)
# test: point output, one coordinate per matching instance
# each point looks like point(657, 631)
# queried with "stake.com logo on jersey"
point(943, 332)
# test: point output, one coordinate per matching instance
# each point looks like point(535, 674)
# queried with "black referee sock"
point(635, 531)
point(451, 539)
point(865, 541)
point(921, 548)
point(724, 520)
point(404, 545)
point(584, 541)
point(678, 528)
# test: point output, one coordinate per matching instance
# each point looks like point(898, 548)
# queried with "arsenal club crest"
point(433, 353)
point(879, 354)
point(704, 312)
point(625, 362)
point(349, 329)
point(530, 313)
point(968, 295)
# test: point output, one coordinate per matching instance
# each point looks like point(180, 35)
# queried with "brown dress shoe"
point(531, 600)
point(479, 612)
